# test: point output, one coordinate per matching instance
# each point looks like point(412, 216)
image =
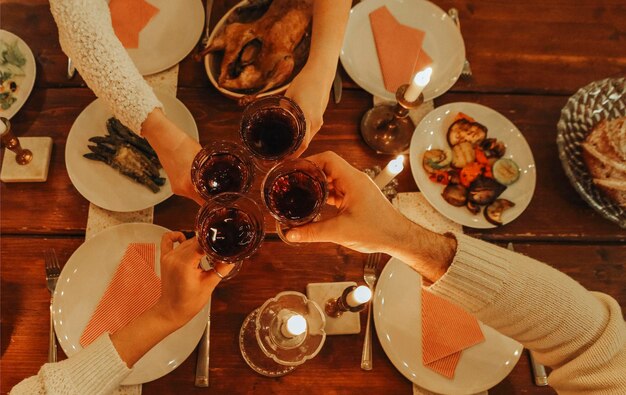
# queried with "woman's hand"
point(312, 97)
point(185, 288)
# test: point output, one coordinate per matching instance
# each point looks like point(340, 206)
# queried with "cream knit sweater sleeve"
point(580, 334)
point(87, 37)
point(95, 370)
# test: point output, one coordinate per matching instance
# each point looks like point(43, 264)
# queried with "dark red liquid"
point(270, 132)
point(295, 196)
point(230, 232)
point(223, 173)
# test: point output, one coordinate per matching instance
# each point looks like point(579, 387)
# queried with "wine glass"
point(272, 128)
point(221, 166)
point(230, 229)
point(294, 191)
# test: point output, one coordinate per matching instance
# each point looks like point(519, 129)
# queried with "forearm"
point(143, 333)
point(87, 37)
point(329, 23)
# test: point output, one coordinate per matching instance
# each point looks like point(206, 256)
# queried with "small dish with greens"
point(17, 73)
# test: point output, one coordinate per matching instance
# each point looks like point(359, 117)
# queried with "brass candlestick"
point(10, 141)
point(336, 307)
point(387, 128)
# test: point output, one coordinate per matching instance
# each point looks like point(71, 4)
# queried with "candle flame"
point(396, 165)
point(362, 294)
point(296, 324)
point(423, 77)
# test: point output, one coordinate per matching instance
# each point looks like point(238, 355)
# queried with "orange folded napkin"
point(135, 287)
point(129, 17)
point(399, 49)
point(447, 330)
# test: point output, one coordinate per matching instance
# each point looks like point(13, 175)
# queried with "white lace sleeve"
point(95, 370)
point(87, 37)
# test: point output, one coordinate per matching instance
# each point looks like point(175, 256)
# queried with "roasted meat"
point(260, 55)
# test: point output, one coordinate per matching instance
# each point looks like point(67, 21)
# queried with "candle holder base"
point(34, 171)
point(253, 355)
point(345, 324)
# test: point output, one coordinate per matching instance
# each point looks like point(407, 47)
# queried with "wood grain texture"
point(532, 46)
point(275, 268)
point(55, 207)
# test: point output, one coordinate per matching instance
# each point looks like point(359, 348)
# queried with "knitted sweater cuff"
point(476, 275)
point(97, 369)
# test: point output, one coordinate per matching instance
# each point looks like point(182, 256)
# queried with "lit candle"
point(293, 326)
point(389, 172)
point(360, 295)
point(417, 85)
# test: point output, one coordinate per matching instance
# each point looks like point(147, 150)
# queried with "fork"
point(370, 277)
point(454, 15)
point(53, 270)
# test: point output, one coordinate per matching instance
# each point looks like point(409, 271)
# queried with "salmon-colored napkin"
point(399, 49)
point(135, 287)
point(447, 330)
point(129, 17)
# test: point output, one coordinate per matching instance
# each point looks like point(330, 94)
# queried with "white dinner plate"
point(24, 82)
point(169, 36)
point(85, 278)
point(431, 134)
point(442, 42)
point(99, 183)
point(397, 314)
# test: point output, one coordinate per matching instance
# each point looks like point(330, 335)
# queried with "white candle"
point(389, 172)
point(293, 326)
point(358, 296)
point(417, 85)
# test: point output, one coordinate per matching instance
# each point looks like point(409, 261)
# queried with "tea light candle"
point(360, 295)
point(293, 326)
point(389, 172)
point(417, 85)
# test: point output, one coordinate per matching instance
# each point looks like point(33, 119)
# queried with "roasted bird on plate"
point(263, 44)
point(127, 153)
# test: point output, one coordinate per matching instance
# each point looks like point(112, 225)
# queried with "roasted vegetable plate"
point(473, 165)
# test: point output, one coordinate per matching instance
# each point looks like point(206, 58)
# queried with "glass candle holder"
point(221, 166)
point(272, 128)
point(230, 229)
point(294, 192)
point(283, 333)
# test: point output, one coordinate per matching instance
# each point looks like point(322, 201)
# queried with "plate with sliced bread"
point(592, 146)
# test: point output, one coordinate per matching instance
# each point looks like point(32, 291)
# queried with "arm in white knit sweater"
point(87, 37)
point(580, 334)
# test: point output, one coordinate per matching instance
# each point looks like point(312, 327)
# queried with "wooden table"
point(527, 57)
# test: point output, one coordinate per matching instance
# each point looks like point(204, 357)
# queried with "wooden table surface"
point(527, 58)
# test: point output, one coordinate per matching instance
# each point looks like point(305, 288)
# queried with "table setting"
point(526, 149)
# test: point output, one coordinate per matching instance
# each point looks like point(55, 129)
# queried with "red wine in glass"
point(272, 127)
point(294, 191)
point(230, 228)
point(221, 167)
point(295, 196)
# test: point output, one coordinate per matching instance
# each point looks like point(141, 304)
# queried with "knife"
point(337, 87)
point(539, 371)
point(202, 365)
point(207, 21)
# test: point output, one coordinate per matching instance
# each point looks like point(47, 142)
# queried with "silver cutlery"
point(539, 371)
point(71, 70)
point(370, 276)
point(454, 15)
point(202, 364)
point(203, 50)
point(53, 270)
point(337, 86)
